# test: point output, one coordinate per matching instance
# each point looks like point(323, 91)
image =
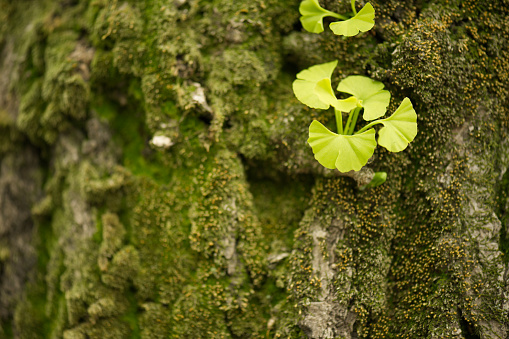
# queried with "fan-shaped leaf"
point(324, 92)
point(304, 86)
point(399, 129)
point(370, 94)
point(361, 22)
point(312, 15)
point(344, 152)
point(318, 72)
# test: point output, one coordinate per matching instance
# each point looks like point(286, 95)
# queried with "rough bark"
point(155, 179)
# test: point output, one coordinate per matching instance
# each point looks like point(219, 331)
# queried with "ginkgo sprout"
point(351, 24)
point(378, 179)
point(349, 150)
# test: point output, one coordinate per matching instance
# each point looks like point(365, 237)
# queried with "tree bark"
point(155, 179)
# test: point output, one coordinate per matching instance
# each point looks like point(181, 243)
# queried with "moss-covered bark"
point(155, 179)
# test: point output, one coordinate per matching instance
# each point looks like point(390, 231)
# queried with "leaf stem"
point(336, 15)
point(371, 124)
point(354, 120)
point(339, 120)
point(353, 7)
point(349, 121)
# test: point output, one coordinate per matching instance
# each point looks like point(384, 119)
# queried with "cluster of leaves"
point(351, 23)
point(348, 149)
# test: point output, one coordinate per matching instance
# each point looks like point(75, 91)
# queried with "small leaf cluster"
point(348, 149)
point(351, 24)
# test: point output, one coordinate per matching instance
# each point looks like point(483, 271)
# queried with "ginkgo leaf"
point(378, 179)
point(344, 152)
point(313, 14)
point(361, 22)
point(324, 92)
point(399, 129)
point(370, 94)
point(304, 85)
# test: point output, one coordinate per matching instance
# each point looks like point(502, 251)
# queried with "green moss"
point(111, 238)
point(131, 316)
point(104, 191)
point(109, 328)
point(103, 71)
point(224, 216)
point(9, 134)
point(116, 22)
point(106, 307)
point(197, 315)
point(55, 93)
point(160, 238)
point(29, 320)
point(122, 268)
point(120, 25)
point(6, 330)
point(30, 106)
point(59, 319)
point(131, 135)
point(502, 209)
point(279, 200)
point(30, 317)
point(155, 321)
point(182, 242)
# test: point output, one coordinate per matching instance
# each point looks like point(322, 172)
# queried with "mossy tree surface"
point(155, 180)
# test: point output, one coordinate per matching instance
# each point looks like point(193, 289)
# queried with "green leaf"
point(304, 85)
point(378, 179)
point(324, 92)
point(370, 93)
point(361, 22)
point(399, 129)
point(313, 14)
point(344, 152)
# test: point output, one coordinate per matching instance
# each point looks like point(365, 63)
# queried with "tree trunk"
point(155, 179)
